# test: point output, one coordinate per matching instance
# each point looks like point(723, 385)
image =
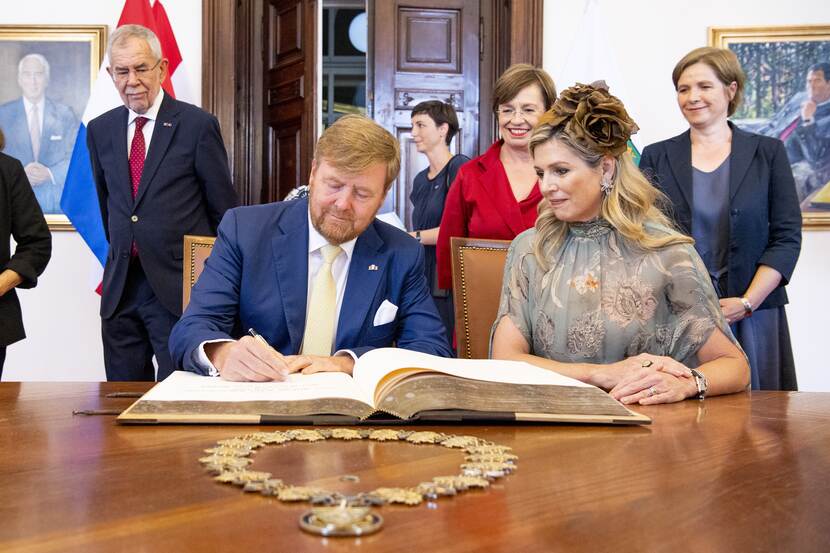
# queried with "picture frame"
point(776, 62)
point(60, 87)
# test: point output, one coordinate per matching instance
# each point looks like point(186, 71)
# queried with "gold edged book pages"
point(388, 383)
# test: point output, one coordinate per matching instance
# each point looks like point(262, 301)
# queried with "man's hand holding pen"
point(251, 358)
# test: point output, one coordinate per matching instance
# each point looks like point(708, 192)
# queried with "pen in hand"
point(258, 337)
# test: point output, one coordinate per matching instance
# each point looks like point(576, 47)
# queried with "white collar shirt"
point(147, 130)
point(27, 107)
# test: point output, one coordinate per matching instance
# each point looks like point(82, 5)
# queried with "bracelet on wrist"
point(747, 306)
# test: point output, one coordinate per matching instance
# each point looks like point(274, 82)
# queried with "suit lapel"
point(361, 286)
point(121, 155)
point(679, 151)
point(497, 186)
point(743, 150)
point(49, 123)
point(290, 251)
point(163, 131)
point(19, 128)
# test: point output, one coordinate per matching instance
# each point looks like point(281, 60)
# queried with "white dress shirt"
point(340, 273)
point(147, 129)
point(27, 106)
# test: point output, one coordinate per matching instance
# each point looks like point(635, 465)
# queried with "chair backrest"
point(477, 269)
point(196, 251)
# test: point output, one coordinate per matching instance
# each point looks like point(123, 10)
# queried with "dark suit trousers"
point(139, 328)
point(2, 360)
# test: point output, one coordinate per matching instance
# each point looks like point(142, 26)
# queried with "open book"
point(387, 383)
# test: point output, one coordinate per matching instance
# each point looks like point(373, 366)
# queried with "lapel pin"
point(167, 124)
point(373, 267)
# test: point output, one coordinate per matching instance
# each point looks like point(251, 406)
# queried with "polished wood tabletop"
point(748, 472)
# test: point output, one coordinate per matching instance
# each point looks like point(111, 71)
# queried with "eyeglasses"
point(507, 112)
point(123, 73)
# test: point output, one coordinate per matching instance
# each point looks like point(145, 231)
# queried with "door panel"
point(290, 114)
point(424, 50)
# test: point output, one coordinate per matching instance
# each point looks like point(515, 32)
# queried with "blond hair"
point(519, 76)
point(632, 204)
point(354, 142)
point(723, 62)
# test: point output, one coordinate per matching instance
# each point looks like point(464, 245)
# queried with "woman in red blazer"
point(495, 195)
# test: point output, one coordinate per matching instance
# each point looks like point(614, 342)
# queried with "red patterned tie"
point(137, 151)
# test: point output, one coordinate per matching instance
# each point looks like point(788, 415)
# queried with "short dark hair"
point(823, 67)
point(441, 113)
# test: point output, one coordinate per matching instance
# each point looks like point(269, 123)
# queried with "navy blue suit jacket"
point(185, 188)
point(257, 277)
point(57, 138)
point(764, 215)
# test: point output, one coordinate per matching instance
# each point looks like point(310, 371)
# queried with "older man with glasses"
point(161, 172)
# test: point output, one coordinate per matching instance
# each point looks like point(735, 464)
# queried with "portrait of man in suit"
point(40, 132)
point(161, 171)
point(320, 279)
point(803, 124)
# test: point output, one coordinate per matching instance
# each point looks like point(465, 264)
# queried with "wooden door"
point(423, 50)
point(290, 114)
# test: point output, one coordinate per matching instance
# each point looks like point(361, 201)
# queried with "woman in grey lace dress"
point(603, 289)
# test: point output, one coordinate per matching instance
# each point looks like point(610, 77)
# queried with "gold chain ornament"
point(351, 515)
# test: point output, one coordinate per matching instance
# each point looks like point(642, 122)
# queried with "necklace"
point(337, 514)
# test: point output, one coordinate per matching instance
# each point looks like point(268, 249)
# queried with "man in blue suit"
point(320, 278)
point(803, 125)
point(161, 172)
point(40, 132)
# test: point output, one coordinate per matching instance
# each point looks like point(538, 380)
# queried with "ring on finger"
point(652, 391)
point(647, 363)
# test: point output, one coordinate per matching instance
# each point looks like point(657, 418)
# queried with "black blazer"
point(185, 188)
point(764, 215)
point(20, 217)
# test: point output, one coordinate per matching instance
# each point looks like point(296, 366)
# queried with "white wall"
point(649, 37)
point(61, 313)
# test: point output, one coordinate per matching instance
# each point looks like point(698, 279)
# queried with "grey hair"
point(37, 57)
point(125, 32)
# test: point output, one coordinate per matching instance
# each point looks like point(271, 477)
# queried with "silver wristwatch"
point(701, 382)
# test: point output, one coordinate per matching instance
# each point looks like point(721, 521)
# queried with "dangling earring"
point(606, 185)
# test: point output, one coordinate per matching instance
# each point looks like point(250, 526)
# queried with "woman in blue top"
point(734, 193)
point(433, 126)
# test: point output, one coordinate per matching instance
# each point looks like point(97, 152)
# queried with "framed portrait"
point(48, 75)
point(787, 96)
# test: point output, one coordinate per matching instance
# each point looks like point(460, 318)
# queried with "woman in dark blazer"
point(734, 192)
point(21, 218)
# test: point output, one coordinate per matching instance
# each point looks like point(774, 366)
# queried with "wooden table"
point(736, 473)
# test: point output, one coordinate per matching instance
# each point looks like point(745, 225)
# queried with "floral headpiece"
point(593, 117)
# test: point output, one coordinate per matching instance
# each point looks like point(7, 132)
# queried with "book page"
point(187, 386)
point(374, 365)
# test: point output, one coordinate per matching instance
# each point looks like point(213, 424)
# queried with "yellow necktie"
point(319, 325)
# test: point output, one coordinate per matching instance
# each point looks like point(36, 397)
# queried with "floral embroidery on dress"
point(584, 283)
point(656, 343)
point(543, 333)
point(629, 299)
point(586, 334)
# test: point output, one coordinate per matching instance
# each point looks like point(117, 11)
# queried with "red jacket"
point(481, 204)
